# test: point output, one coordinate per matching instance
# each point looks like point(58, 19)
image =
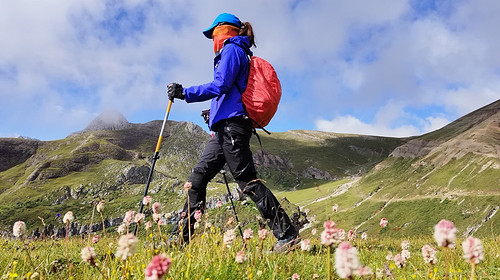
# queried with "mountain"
point(451, 173)
point(110, 160)
point(109, 120)
point(477, 133)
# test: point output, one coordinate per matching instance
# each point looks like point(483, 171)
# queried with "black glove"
point(206, 115)
point(174, 90)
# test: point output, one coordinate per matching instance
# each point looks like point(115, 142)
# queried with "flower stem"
point(67, 255)
point(472, 270)
point(189, 216)
point(446, 264)
point(103, 226)
point(329, 263)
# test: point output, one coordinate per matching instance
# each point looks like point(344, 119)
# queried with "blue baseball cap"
point(222, 18)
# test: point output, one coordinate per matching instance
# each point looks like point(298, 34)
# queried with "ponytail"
point(247, 30)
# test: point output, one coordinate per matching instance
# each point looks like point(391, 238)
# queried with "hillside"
point(451, 173)
point(110, 160)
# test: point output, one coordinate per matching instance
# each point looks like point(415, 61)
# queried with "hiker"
point(233, 129)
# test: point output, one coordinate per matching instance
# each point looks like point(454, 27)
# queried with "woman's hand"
point(175, 90)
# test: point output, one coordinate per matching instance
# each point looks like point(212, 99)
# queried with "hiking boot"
point(286, 243)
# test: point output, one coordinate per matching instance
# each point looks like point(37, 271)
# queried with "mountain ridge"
point(457, 165)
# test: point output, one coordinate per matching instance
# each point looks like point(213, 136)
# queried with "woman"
point(231, 143)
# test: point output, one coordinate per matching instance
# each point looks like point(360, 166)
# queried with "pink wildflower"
point(263, 233)
point(127, 245)
point(335, 208)
point(313, 231)
point(405, 245)
point(363, 271)
point(389, 257)
point(330, 235)
point(429, 254)
point(68, 217)
point(399, 261)
point(295, 276)
point(445, 233)
point(248, 234)
point(156, 217)
point(229, 237)
point(121, 229)
point(197, 214)
point(230, 221)
point(100, 206)
point(156, 208)
point(88, 255)
point(158, 267)
point(148, 225)
point(19, 229)
point(383, 222)
point(95, 239)
point(147, 200)
point(139, 217)
point(405, 254)
point(305, 245)
point(473, 250)
point(218, 204)
point(240, 257)
point(351, 235)
point(340, 235)
point(364, 236)
point(129, 217)
point(346, 260)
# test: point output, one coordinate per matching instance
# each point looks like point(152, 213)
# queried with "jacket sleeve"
point(224, 77)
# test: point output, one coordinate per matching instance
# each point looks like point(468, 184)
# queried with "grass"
point(410, 218)
point(206, 257)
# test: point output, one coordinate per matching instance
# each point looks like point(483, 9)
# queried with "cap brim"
point(208, 32)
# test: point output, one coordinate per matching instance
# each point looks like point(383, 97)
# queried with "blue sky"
point(391, 68)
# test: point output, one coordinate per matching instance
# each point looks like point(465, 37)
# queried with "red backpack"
point(263, 92)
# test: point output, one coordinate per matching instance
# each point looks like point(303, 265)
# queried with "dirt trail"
point(338, 191)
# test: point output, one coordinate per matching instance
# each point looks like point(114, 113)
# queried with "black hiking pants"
point(231, 145)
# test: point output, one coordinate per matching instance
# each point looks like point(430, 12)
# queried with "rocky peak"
point(108, 120)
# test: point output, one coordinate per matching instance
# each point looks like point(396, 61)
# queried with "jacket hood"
point(242, 41)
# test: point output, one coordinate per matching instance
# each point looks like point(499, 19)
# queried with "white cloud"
point(346, 59)
point(351, 125)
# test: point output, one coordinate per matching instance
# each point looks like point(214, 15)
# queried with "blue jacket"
point(231, 67)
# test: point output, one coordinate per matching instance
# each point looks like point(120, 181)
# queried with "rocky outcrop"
point(14, 151)
point(315, 173)
point(133, 175)
point(414, 148)
point(264, 159)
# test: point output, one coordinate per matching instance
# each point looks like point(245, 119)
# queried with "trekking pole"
point(155, 157)
point(232, 204)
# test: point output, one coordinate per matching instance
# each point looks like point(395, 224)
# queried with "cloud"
point(396, 67)
point(352, 125)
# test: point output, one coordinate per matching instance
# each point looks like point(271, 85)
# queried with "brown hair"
point(247, 30)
